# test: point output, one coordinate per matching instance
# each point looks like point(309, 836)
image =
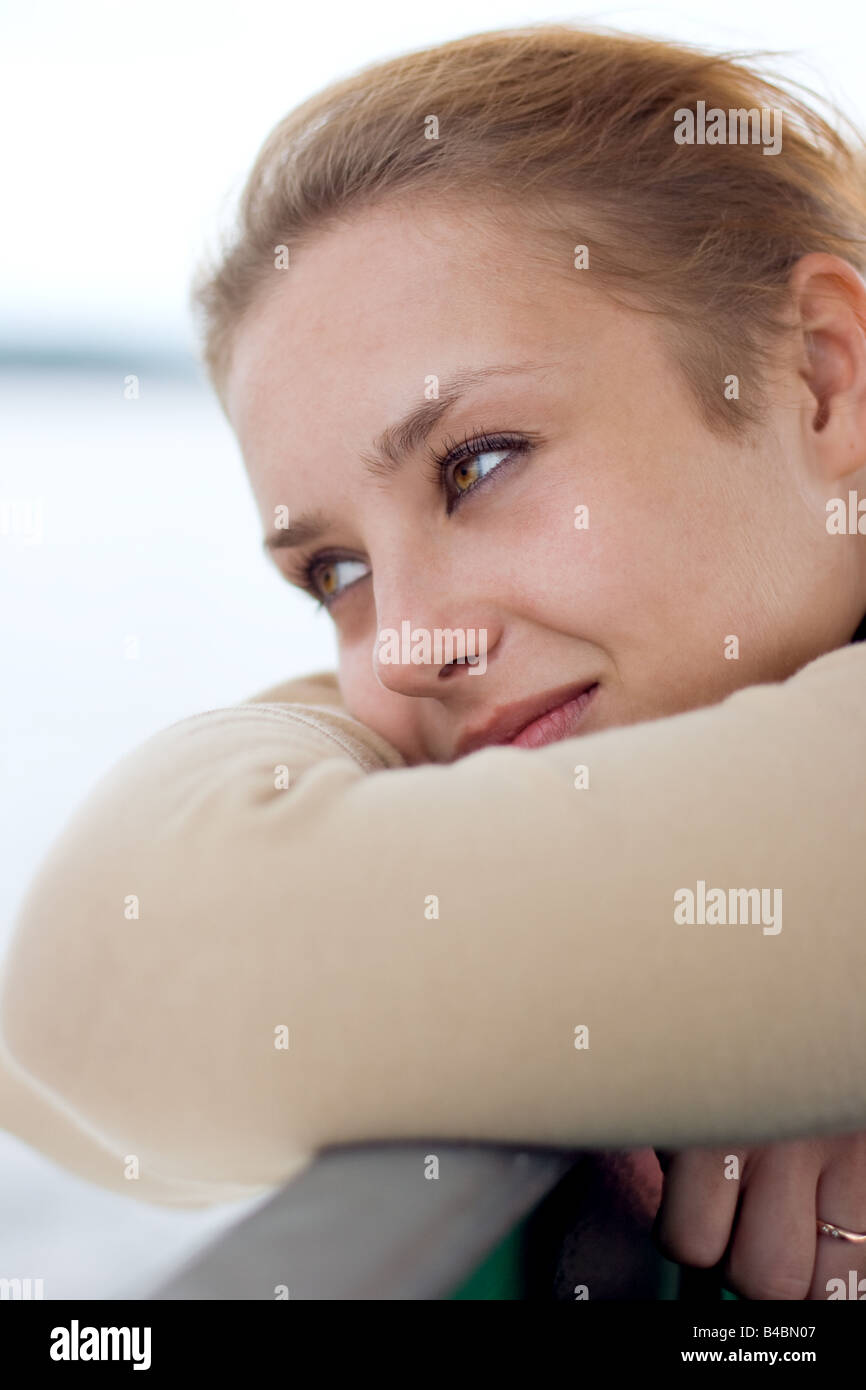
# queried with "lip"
point(552, 712)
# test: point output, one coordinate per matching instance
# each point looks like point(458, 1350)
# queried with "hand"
point(762, 1224)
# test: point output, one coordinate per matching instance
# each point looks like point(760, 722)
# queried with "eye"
point(467, 464)
point(324, 582)
point(469, 471)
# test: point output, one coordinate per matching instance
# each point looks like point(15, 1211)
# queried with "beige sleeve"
point(427, 940)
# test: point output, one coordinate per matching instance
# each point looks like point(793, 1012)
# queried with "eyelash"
point(453, 451)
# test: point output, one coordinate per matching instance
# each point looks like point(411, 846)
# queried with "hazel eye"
point(468, 464)
point(326, 578)
point(468, 471)
point(456, 473)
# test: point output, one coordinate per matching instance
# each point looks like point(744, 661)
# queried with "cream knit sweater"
point(262, 933)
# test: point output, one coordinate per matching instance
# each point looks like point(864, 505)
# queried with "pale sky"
point(126, 128)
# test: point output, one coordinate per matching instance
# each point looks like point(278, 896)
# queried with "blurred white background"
point(127, 131)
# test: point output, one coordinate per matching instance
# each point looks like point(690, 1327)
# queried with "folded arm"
point(197, 914)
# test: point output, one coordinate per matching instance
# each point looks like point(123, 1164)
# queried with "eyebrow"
point(394, 445)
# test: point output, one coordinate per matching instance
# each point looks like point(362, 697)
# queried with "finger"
point(841, 1199)
point(772, 1254)
point(694, 1220)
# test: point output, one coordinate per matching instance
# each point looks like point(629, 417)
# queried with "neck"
point(860, 634)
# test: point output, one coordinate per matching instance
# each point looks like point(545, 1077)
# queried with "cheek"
point(384, 711)
point(355, 677)
point(596, 573)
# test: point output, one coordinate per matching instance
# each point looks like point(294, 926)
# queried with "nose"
point(430, 633)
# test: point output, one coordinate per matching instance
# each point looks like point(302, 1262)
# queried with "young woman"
point(518, 353)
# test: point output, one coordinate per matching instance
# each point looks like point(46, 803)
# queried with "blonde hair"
point(575, 128)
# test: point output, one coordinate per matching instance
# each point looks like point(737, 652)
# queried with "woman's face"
point(599, 535)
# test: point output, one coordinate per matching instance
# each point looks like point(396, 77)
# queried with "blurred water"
point(149, 532)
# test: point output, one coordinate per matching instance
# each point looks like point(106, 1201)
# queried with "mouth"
point(534, 722)
point(560, 722)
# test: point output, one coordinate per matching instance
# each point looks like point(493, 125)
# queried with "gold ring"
point(826, 1228)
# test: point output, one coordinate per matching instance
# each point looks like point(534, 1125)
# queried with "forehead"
point(369, 310)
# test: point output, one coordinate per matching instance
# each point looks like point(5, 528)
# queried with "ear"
point(829, 304)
